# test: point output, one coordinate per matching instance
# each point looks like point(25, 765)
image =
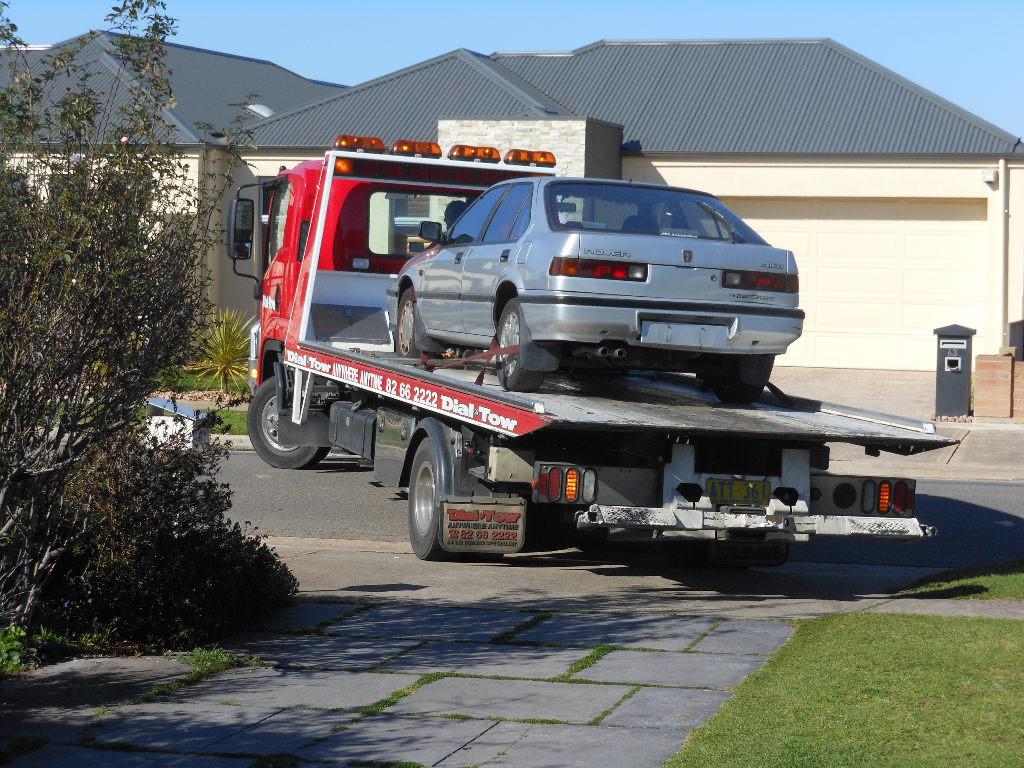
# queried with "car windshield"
point(643, 210)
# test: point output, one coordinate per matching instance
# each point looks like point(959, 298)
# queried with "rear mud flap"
point(484, 524)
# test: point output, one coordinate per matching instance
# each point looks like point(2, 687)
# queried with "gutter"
point(1004, 246)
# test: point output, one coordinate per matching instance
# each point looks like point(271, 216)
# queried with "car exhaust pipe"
point(603, 351)
point(620, 353)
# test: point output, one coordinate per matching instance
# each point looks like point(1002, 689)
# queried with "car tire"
point(512, 331)
point(262, 421)
point(426, 496)
point(405, 330)
point(743, 381)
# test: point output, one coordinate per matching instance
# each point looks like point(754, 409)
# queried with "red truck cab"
point(376, 202)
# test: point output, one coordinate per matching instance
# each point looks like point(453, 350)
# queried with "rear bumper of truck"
point(703, 523)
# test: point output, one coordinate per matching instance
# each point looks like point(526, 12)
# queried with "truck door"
point(274, 311)
point(487, 263)
point(438, 298)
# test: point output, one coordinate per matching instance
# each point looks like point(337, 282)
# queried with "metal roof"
point(205, 83)
point(756, 97)
point(409, 102)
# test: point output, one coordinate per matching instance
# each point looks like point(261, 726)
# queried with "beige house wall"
point(932, 182)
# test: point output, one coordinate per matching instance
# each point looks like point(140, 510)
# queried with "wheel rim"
point(423, 499)
point(269, 419)
point(406, 323)
point(509, 338)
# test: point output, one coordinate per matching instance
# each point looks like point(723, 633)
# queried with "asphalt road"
point(978, 522)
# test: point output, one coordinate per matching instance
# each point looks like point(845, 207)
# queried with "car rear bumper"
point(665, 324)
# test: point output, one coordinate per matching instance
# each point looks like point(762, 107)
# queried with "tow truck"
point(615, 458)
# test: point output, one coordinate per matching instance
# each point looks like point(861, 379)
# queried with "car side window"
point(506, 216)
point(471, 223)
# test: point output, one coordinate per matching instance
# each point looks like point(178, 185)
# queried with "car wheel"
point(511, 331)
point(262, 419)
point(425, 498)
point(405, 338)
point(744, 380)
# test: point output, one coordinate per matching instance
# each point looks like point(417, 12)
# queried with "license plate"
point(494, 525)
point(684, 335)
point(732, 491)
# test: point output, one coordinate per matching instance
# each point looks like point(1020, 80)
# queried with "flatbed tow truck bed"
point(646, 402)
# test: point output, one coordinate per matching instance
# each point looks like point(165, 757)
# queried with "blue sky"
point(971, 53)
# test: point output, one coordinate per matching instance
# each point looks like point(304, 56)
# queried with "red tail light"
point(899, 497)
point(554, 484)
point(601, 269)
point(761, 281)
point(911, 498)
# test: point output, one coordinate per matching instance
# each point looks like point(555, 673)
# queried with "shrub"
point(163, 566)
point(224, 354)
point(14, 653)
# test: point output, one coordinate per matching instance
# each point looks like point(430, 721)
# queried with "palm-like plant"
point(224, 352)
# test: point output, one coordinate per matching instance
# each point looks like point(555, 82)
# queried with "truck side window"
point(505, 217)
point(471, 223)
point(278, 215)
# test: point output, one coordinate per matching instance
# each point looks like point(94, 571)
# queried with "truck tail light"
point(601, 269)
point(884, 497)
point(359, 143)
point(475, 154)
point(416, 148)
point(529, 157)
point(554, 484)
point(572, 484)
point(900, 494)
point(867, 496)
point(761, 281)
point(589, 485)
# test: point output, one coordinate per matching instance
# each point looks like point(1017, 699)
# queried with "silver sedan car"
point(585, 274)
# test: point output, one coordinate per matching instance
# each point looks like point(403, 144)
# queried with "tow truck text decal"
point(418, 393)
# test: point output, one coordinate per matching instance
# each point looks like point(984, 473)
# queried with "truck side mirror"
point(240, 229)
point(431, 231)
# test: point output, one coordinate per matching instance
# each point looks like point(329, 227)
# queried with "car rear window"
point(643, 210)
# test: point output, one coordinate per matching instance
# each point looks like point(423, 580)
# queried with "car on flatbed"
point(585, 274)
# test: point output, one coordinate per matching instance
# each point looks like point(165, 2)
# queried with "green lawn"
point(180, 380)
point(1003, 581)
point(876, 691)
point(232, 423)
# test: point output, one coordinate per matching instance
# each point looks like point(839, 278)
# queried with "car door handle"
point(505, 254)
point(458, 257)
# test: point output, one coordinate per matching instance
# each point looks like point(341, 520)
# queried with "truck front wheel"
point(262, 420)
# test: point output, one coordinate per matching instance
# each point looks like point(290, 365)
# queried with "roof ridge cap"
point(504, 80)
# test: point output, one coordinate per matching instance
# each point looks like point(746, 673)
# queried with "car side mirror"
point(241, 228)
point(432, 232)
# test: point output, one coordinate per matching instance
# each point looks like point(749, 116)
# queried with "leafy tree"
point(103, 282)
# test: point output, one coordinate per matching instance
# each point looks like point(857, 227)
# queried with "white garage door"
point(876, 276)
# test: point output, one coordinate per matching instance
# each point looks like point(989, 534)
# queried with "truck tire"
point(743, 380)
point(426, 495)
point(262, 421)
point(405, 333)
point(512, 331)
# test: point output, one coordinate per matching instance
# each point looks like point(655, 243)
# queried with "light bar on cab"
point(529, 157)
point(359, 143)
point(415, 148)
point(476, 154)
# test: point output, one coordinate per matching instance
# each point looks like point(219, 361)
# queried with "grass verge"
point(1002, 581)
point(231, 423)
point(876, 691)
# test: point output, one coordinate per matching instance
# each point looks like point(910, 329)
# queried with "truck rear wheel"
point(512, 332)
point(262, 419)
point(426, 496)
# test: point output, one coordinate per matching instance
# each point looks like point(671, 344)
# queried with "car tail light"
point(601, 269)
point(476, 154)
point(884, 497)
point(761, 281)
point(416, 148)
point(528, 157)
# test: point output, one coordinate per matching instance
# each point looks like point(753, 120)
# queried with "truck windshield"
point(643, 210)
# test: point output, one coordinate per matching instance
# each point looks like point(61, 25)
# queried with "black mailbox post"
point(953, 371)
